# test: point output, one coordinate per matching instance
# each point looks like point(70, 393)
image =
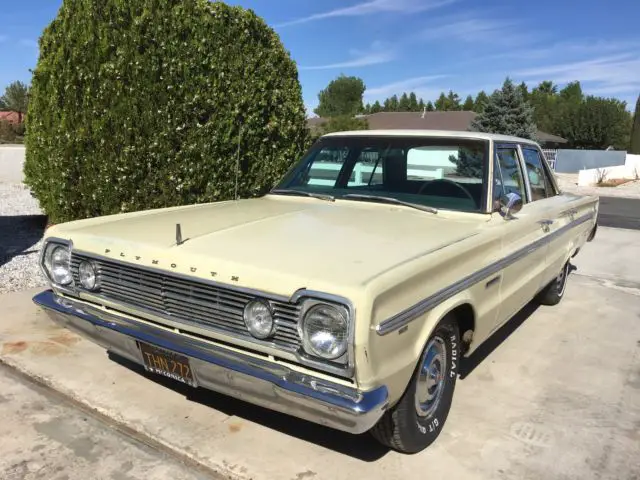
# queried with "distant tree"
point(376, 107)
point(507, 113)
point(481, 101)
point(572, 93)
point(441, 102)
point(597, 123)
point(634, 146)
point(344, 123)
point(343, 96)
point(468, 164)
point(544, 100)
point(413, 103)
point(367, 109)
point(404, 104)
point(524, 91)
point(394, 104)
point(15, 99)
point(468, 105)
point(421, 105)
point(453, 101)
point(430, 107)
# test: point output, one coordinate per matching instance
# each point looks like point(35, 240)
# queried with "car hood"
point(273, 243)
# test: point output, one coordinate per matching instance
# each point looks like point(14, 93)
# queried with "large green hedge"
point(143, 104)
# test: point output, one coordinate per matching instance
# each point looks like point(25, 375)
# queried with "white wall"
point(630, 169)
point(11, 163)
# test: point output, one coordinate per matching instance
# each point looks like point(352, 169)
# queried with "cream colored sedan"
point(349, 294)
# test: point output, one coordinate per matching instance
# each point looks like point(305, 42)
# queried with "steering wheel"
point(449, 182)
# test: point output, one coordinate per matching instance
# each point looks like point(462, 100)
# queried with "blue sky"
point(425, 46)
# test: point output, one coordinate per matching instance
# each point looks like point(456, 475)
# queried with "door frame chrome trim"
point(406, 316)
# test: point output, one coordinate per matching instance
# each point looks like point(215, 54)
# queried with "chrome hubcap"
point(431, 377)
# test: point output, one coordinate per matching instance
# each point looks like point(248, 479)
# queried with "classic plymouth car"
point(349, 294)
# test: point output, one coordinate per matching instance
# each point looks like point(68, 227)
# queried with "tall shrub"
point(145, 104)
point(634, 146)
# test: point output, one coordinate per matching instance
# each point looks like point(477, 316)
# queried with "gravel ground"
point(21, 228)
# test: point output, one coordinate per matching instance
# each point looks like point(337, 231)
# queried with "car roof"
point(432, 134)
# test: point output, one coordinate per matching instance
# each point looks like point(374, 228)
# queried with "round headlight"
point(58, 265)
point(258, 319)
point(325, 331)
point(88, 275)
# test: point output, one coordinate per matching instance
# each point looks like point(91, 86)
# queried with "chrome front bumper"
point(216, 368)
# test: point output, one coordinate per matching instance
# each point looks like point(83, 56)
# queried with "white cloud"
point(603, 75)
point(363, 61)
point(416, 84)
point(372, 7)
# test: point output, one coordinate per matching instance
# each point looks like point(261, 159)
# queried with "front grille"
point(187, 301)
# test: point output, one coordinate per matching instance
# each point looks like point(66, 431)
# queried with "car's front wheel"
point(553, 293)
point(418, 417)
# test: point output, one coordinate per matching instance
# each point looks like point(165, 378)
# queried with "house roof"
point(454, 120)
point(11, 117)
point(432, 133)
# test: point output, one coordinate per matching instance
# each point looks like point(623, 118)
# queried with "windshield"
point(443, 173)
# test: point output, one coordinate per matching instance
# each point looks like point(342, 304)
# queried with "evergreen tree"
point(441, 102)
point(481, 101)
point(507, 113)
point(430, 107)
point(421, 105)
point(468, 104)
point(394, 103)
point(634, 147)
point(376, 107)
point(413, 103)
point(403, 104)
point(524, 91)
point(387, 105)
point(453, 101)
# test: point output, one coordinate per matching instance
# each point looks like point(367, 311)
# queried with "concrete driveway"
point(555, 394)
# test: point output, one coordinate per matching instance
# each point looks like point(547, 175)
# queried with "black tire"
point(401, 428)
point(553, 293)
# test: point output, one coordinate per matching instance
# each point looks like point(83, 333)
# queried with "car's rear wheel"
point(419, 416)
point(553, 293)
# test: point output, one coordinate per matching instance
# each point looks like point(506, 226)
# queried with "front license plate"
point(167, 363)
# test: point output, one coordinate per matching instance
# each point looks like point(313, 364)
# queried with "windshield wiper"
point(395, 201)
point(321, 196)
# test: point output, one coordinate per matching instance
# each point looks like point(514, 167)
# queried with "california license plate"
point(167, 363)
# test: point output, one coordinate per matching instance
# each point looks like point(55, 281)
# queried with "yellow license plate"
point(167, 363)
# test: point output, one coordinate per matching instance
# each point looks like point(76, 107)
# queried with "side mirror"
point(509, 204)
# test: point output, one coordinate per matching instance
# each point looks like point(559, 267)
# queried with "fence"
point(550, 155)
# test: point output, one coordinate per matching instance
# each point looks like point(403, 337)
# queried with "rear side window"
point(539, 180)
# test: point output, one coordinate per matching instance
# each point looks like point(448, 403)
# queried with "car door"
point(563, 216)
point(523, 236)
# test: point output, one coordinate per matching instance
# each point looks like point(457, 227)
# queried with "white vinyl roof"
point(432, 133)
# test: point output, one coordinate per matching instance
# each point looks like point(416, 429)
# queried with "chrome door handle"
point(546, 225)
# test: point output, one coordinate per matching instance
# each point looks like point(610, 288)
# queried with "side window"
point(541, 186)
point(326, 166)
point(507, 173)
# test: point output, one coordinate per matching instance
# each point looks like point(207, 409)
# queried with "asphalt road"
point(619, 212)
point(44, 436)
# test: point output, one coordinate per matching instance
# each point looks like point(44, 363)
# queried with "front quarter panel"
point(391, 358)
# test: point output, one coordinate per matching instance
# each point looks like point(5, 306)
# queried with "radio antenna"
point(238, 162)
